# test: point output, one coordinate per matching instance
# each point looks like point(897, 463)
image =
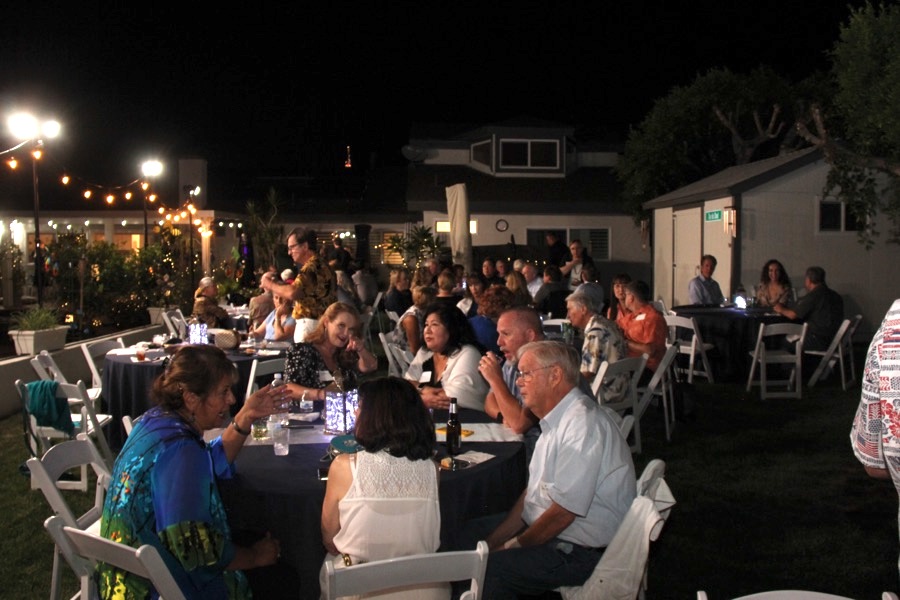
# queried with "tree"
point(860, 134)
point(264, 230)
point(719, 120)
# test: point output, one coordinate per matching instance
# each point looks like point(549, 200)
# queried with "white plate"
point(305, 416)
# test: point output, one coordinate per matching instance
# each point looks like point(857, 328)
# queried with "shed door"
point(687, 241)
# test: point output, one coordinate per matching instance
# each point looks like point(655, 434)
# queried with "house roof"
point(586, 190)
point(736, 180)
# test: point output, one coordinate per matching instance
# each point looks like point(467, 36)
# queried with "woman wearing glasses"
point(447, 366)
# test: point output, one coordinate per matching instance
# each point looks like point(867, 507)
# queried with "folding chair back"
point(262, 369)
point(830, 356)
point(684, 332)
point(416, 570)
point(45, 476)
point(84, 550)
point(622, 570)
point(393, 365)
point(660, 386)
point(95, 354)
point(631, 369)
point(178, 323)
point(771, 353)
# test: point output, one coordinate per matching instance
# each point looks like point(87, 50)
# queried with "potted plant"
point(37, 329)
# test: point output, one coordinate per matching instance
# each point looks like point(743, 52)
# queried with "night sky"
point(263, 89)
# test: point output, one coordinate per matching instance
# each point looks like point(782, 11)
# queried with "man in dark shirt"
point(822, 309)
point(557, 252)
point(551, 298)
point(338, 257)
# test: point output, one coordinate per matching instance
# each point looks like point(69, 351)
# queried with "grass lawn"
point(769, 497)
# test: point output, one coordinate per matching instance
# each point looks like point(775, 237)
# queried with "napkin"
point(475, 457)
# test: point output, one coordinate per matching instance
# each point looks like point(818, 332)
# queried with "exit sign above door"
point(712, 215)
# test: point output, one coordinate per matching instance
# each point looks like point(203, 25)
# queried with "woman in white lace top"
point(382, 502)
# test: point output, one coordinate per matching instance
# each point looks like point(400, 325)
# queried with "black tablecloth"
point(733, 331)
point(283, 495)
point(126, 388)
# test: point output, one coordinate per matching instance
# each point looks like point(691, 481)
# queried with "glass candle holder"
point(340, 411)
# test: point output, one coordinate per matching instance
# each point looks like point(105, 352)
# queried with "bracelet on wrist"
point(238, 429)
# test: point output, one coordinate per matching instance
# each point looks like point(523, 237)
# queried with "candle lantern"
point(341, 403)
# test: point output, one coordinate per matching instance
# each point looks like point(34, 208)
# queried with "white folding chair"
point(553, 326)
point(660, 305)
point(45, 476)
point(178, 323)
point(408, 571)
point(260, 369)
point(632, 369)
point(787, 595)
point(622, 570)
point(84, 419)
point(693, 346)
point(393, 366)
point(660, 387)
point(403, 357)
point(839, 350)
point(764, 356)
point(95, 354)
point(83, 550)
point(393, 317)
point(46, 368)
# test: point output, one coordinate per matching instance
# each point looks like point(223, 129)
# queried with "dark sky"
point(263, 89)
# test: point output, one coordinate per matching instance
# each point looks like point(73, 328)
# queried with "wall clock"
point(502, 225)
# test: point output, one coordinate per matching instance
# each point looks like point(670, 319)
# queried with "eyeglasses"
point(292, 246)
point(527, 375)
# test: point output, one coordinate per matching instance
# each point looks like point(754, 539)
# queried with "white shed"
point(772, 208)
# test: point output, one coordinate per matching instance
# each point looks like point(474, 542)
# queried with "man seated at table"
point(703, 289)
point(646, 331)
point(822, 309)
point(515, 328)
point(550, 299)
point(581, 483)
point(602, 339)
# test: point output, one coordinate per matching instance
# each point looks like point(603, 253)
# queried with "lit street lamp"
point(25, 127)
point(150, 168)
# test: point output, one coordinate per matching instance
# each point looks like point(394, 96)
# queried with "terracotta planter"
point(32, 342)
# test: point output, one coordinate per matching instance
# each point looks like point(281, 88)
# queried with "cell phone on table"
point(323, 474)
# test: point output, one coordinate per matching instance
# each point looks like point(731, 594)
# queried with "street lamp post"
point(193, 191)
point(26, 127)
point(150, 168)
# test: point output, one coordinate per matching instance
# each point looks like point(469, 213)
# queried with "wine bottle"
point(454, 430)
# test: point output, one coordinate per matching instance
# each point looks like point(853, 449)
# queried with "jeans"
point(532, 570)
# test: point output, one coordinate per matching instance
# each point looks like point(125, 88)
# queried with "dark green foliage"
point(684, 139)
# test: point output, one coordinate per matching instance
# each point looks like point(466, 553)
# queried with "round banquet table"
point(283, 495)
point(733, 331)
point(127, 383)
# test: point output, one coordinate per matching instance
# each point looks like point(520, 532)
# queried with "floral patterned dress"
point(163, 493)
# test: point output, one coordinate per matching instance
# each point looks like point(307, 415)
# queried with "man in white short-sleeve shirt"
point(581, 483)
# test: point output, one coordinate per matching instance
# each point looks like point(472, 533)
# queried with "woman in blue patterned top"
point(163, 490)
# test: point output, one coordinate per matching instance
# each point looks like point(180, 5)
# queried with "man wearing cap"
point(646, 330)
point(602, 339)
point(314, 288)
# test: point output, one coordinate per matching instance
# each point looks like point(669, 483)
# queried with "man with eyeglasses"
point(581, 483)
point(313, 289)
